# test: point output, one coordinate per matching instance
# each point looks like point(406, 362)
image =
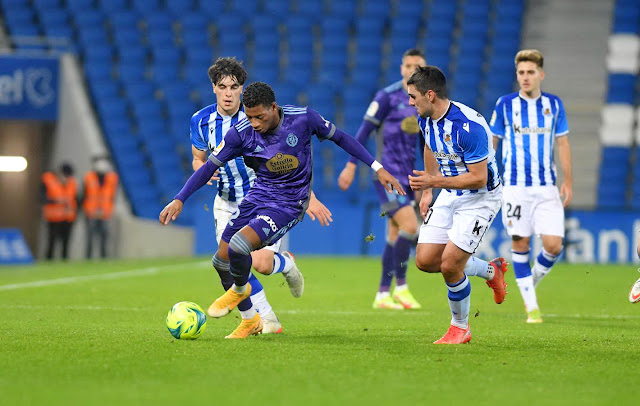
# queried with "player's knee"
point(427, 265)
point(554, 248)
point(449, 267)
point(409, 235)
point(262, 263)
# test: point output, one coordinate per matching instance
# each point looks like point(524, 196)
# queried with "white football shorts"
point(528, 210)
point(462, 220)
point(223, 210)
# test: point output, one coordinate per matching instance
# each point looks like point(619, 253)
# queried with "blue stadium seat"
point(277, 8)
point(79, 5)
point(379, 9)
point(179, 7)
point(621, 88)
point(134, 54)
point(370, 26)
point(123, 19)
point(344, 9)
point(102, 89)
point(165, 72)
point(145, 6)
point(130, 72)
point(88, 19)
point(97, 71)
point(142, 90)
point(166, 54)
point(129, 37)
point(311, 8)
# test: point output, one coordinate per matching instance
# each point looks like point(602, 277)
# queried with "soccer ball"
point(186, 320)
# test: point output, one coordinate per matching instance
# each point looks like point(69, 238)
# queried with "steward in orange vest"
point(61, 198)
point(60, 207)
point(100, 187)
point(99, 196)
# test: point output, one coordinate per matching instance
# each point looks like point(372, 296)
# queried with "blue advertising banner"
point(29, 88)
point(13, 248)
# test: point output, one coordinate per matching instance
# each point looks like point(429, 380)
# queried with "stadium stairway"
point(574, 51)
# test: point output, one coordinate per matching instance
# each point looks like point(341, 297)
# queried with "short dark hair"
point(67, 169)
point(258, 94)
point(228, 66)
point(429, 78)
point(414, 52)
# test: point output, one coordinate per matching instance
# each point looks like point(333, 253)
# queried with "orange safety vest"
point(63, 195)
point(98, 199)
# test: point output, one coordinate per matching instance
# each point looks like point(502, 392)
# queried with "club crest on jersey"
point(218, 148)
point(292, 140)
point(547, 111)
point(282, 163)
point(447, 140)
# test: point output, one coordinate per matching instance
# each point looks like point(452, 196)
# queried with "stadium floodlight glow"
point(12, 163)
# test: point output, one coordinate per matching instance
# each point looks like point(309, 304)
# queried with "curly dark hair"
point(258, 94)
point(429, 78)
point(228, 66)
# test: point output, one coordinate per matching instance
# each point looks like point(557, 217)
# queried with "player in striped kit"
point(529, 123)
point(459, 159)
point(208, 128)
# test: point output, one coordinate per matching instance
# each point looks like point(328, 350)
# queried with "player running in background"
point(458, 142)
point(529, 122)
point(208, 129)
point(278, 140)
point(397, 125)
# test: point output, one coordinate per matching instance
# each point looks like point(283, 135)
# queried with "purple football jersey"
point(397, 139)
point(282, 157)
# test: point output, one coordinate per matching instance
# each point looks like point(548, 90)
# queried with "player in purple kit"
point(397, 125)
point(276, 141)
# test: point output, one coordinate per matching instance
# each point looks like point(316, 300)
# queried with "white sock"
point(478, 267)
point(248, 314)
point(528, 293)
point(261, 303)
point(239, 289)
point(281, 263)
point(460, 302)
point(382, 295)
point(400, 288)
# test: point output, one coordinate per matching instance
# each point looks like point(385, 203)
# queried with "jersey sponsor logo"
point(292, 139)
point(373, 109)
point(442, 155)
point(530, 130)
point(218, 148)
point(282, 163)
point(269, 221)
point(410, 125)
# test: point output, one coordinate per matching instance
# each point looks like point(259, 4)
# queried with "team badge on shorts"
point(292, 140)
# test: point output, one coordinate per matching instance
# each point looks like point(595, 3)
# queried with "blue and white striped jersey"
point(528, 128)
point(459, 138)
point(208, 129)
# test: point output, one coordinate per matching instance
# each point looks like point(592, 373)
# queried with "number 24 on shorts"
point(513, 211)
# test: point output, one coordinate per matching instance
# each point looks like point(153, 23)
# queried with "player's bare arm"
point(389, 182)
point(318, 210)
point(431, 167)
point(564, 152)
point(171, 212)
point(346, 176)
point(199, 159)
point(476, 178)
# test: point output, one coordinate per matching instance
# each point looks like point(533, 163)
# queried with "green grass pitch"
point(94, 334)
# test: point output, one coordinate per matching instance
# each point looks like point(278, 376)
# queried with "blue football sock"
point(279, 263)
point(401, 251)
point(460, 302)
point(521, 265)
point(387, 268)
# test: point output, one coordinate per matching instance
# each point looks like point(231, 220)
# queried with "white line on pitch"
point(107, 276)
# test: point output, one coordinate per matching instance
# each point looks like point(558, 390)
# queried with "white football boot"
point(294, 277)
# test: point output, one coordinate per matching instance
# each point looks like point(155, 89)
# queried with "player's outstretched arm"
point(348, 173)
point(198, 179)
point(346, 176)
point(318, 210)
